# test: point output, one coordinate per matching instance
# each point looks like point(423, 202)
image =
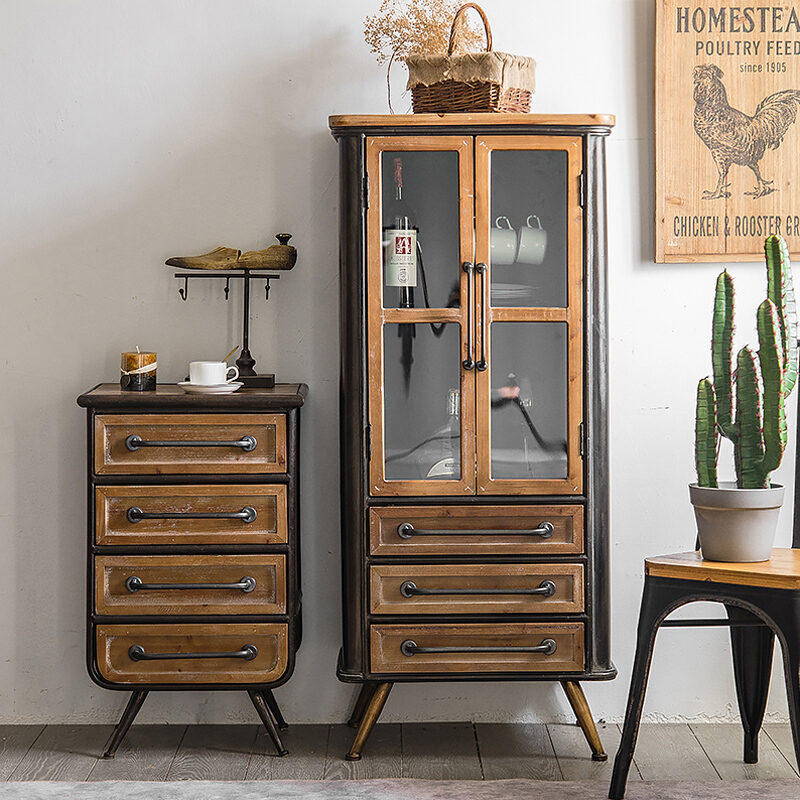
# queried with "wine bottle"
point(442, 456)
point(400, 242)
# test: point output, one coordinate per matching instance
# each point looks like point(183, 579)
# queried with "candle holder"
point(246, 363)
point(137, 372)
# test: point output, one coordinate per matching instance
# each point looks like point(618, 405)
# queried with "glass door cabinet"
point(473, 403)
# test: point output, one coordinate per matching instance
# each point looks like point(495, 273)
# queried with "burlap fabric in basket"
point(487, 81)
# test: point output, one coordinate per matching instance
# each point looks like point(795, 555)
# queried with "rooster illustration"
point(731, 135)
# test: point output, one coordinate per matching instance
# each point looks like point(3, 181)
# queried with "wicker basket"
point(486, 81)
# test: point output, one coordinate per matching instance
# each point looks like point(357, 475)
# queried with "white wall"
point(135, 131)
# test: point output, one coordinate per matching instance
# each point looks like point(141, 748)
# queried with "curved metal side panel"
point(596, 462)
point(352, 410)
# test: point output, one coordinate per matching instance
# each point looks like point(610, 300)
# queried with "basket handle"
point(462, 10)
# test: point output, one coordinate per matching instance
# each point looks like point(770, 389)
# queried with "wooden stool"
point(762, 601)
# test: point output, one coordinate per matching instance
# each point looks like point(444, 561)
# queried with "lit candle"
point(138, 372)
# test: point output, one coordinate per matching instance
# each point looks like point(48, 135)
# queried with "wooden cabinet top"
point(341, 123)
point(109, 397)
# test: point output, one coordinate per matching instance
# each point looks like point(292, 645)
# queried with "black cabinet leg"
point(654, 603)
point(274, 709)
point(364, 696)
point(577, 699)
point(263, 711)
point(368, 720)
point(752, 667)
point(135, 702)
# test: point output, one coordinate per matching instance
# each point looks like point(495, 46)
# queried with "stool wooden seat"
point(762, 601)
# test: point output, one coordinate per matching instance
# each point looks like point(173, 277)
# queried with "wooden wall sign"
point(727, 129)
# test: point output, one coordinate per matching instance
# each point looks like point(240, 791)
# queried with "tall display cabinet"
point(473, 403)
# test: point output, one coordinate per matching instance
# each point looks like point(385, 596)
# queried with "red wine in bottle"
point(400, 242)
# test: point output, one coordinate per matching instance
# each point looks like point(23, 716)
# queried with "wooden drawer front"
point(117, 524)
point(487, 530)
point(113, 453)
point(388, 642)
point(476, 589)
point(122, 584)
point(116, 664)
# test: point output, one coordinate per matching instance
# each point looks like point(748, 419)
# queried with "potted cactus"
point(736, 521)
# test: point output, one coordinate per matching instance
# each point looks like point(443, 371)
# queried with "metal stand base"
point(272, 704)
point(257, 381)
point(372, 711)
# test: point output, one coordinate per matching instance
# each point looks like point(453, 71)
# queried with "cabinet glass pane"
point(420, 229)
point(529, 228)
point(529, 400)
point(422, 423)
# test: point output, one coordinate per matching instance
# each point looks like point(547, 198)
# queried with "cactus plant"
point(758, 388)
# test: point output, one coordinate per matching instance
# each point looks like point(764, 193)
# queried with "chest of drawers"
point(193, 556)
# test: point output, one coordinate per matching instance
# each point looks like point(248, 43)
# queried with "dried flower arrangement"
point(401, 28)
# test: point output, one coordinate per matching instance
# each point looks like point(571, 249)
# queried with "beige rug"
point(397, 790)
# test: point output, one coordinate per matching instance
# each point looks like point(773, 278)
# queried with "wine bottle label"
point(400, 257)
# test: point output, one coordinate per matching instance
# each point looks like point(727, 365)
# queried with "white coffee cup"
point(211, 373)
point(504, 242)
point(532, 242)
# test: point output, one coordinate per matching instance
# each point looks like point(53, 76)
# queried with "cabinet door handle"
point(247, 514)
point(469, 361)
point(137, 653)
point(410, 589)
point(134, 442)
point(405, 530)
point(482, 269)
point(411, 648)
point(134, 584)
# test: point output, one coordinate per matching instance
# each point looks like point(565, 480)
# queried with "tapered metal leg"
point(135, 702)
point(368, 719)
point(364, 695)
point(272, 704)
point(266, 718)
point(577, 699)
point(752, 667)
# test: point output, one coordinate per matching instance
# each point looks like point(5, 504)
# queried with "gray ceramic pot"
point(736, 524)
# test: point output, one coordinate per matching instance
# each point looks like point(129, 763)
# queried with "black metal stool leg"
point(263, 711)
point(655, 600)
point(364, 696)
point(274, 709)
point(135, 702)
point(752, 649)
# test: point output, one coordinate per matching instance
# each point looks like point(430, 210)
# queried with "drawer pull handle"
point(410, 589)
point(134, 442)
point(137, 653)
point(544, 529)
point(247, 514)
point(134, 584)
point(411, 648)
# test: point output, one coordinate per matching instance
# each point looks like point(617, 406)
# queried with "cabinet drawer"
point(475, 530)
point(476, 589)
point(250, 584)
point(468, 648)
point(187, 515)
point(167, 444)
point(229, 653)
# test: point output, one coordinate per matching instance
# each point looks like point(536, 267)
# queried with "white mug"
point(211, 373)
point(504, 242)
point(532, 242)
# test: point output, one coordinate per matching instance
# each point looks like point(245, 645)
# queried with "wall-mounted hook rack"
point(245, 362)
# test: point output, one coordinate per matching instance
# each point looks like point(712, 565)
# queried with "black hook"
point(266, 290)
point(227, 287)
point(184, 293)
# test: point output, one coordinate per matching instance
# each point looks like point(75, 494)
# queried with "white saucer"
point(219, 388)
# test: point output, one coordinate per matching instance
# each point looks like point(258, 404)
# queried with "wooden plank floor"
point(454, 751)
